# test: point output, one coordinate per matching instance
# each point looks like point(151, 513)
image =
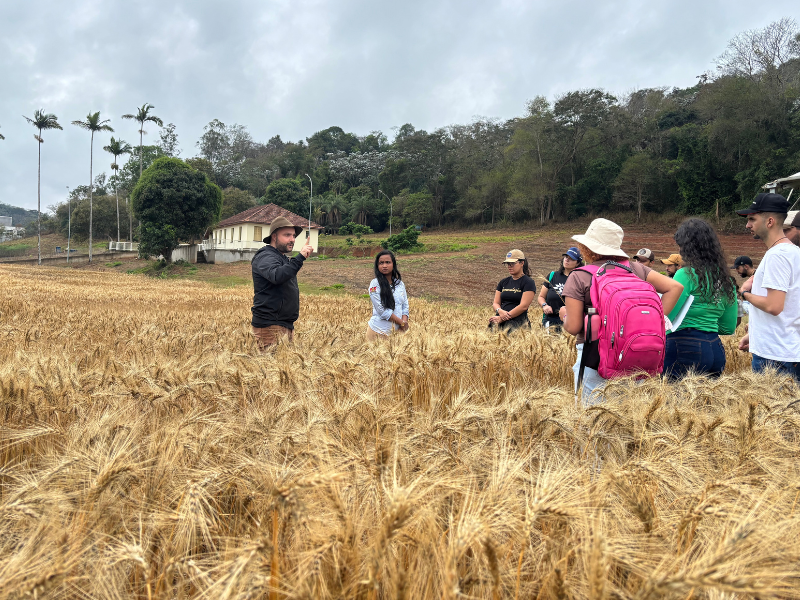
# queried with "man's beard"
point(284, 248)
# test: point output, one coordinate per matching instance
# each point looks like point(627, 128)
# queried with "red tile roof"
point(264, 215)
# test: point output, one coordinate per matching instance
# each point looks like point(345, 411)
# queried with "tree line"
point(692, 150)
point(696, 150)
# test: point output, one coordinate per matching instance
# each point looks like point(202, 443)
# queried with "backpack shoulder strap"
point(591, 269)
point(550, 277)
point(621, 265)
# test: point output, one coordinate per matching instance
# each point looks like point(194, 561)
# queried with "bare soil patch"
point(466, 277)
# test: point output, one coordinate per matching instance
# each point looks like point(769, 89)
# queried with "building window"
point(232, 233)
point(257, 233)
point(240, 234)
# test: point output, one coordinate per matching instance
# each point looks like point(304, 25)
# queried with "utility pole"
point(310, 198)
point(69, 222)
point(390, 211)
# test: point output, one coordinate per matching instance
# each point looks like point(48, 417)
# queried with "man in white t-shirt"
point(774, 291)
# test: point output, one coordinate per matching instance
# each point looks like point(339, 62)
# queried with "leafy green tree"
point(256, 173)
point(128, 175)
point(405, 240)
point(293, 160)
point(158, 239)
point(104, 217)
point(235, 201)
point(394, 176)
point(331, 141)
point(487, 198)
point(289, 194)
point(202, 164)
point(227, 148)
point(365, 209)
point(169, 141)
point(332, 208)
point(118, 148)
point(143, 116)
point(355, 229)
point(375, 141)
point(93, 125)
point(174, 202)
point(633, 181)
point(41, 121)
point(418, 208)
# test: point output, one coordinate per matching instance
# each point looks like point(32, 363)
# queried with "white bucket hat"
point(603, 237)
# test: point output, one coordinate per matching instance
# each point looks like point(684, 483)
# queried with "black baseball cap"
point(742, 260)
point(774, 203)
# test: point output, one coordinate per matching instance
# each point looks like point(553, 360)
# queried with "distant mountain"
point(20, 217)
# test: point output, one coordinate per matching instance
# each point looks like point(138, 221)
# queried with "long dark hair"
point(701, 250)
point(387, 288)
point(525, 269)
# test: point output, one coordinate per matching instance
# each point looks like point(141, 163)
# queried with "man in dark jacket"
point(276, 299)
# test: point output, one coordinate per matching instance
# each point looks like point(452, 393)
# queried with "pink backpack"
point(627, 320)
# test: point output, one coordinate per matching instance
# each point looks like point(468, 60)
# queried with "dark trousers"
point(784, 368)
point(693, 350)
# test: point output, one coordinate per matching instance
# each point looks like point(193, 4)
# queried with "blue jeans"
point(693, 350)
point(785, 368)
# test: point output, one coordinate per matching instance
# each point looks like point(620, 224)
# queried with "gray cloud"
point(295, 67)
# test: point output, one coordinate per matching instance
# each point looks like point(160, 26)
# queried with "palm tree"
point(143, 115)
point(92, 124)
point(336, 207)
point(41, 121)
point(117, 148)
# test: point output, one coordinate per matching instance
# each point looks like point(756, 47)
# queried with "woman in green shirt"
point(694, 345)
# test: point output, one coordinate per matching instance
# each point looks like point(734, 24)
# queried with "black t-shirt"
point(511, 291)
point(555, 290)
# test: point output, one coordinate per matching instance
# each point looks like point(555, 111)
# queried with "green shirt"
point(705, 316)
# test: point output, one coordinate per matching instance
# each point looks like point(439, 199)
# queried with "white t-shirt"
point(777, 337)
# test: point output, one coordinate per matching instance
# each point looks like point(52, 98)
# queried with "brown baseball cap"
point(513, 256)
point(672, 259)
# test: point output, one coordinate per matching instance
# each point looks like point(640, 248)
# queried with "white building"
point(8, 232)
point(239, 237)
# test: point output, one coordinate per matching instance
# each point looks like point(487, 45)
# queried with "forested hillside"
point(588, 151)
point(20, 217)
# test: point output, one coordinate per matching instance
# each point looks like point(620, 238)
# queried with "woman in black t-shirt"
point(514, 294)
point(550, 298)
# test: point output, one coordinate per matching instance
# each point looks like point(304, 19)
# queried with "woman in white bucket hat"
point(602, 242)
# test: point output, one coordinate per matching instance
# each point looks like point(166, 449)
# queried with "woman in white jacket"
point(389, 299)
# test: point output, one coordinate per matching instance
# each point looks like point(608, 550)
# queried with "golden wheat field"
point(147, 451)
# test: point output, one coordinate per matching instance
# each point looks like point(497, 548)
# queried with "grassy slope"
point(27, 246)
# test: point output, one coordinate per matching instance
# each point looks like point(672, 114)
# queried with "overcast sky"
point(295, 67)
